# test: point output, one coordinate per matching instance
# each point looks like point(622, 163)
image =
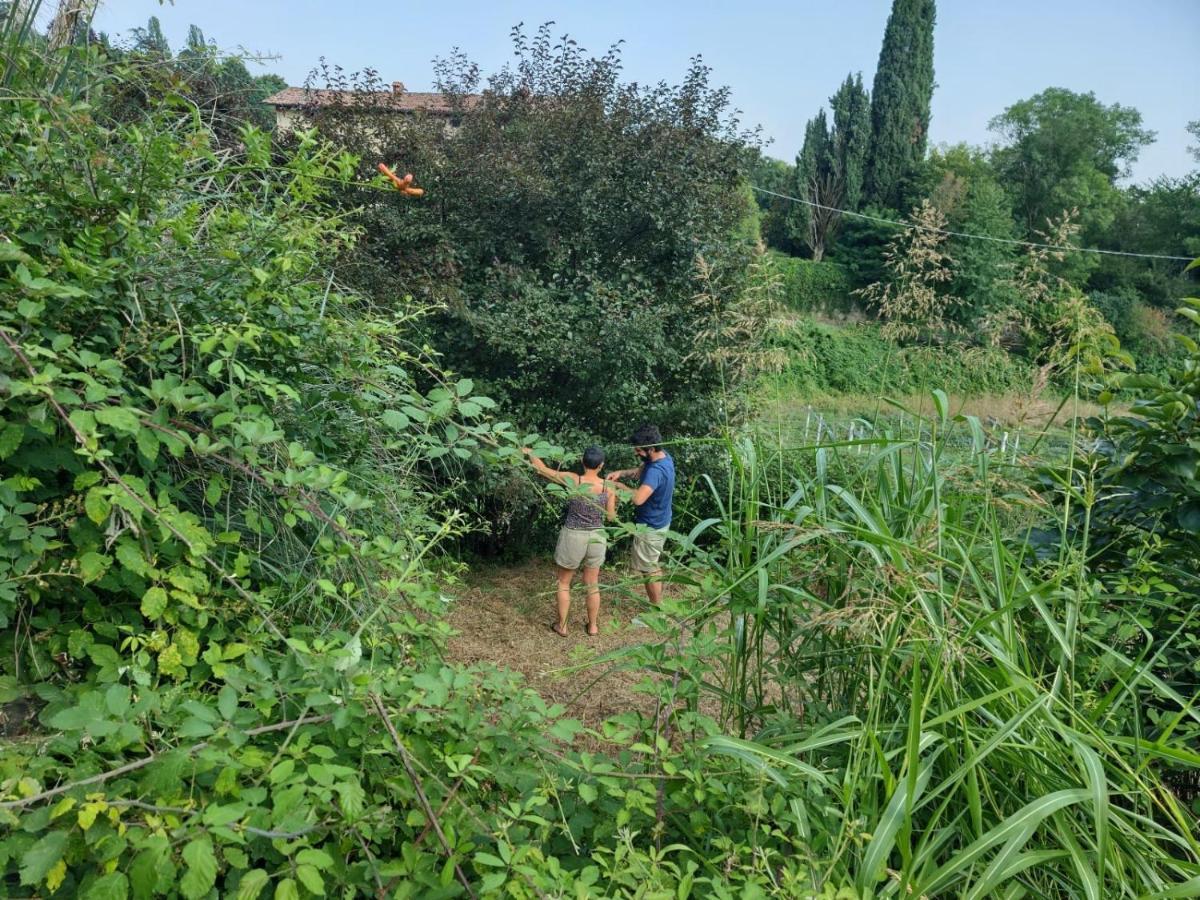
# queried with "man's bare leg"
point(654, 588)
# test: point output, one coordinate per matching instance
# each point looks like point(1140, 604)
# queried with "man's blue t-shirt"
point(656, 511)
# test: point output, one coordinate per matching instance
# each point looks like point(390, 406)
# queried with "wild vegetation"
point(255, 404)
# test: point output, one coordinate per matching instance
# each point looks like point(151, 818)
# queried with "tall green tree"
point(851, 138)
point(960, 182)
point(1162, 217)
point(196, 41)
point(817, 181)
point(900, 102)
point(1062, 150)
point(831, 166)
point(151, 38)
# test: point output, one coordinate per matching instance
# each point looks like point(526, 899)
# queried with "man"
point(655, 490)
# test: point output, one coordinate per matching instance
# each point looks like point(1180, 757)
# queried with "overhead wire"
point(1064, 248)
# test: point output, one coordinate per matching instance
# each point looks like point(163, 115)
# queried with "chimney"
point(397, 87)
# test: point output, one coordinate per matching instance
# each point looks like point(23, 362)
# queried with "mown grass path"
point(502, 615)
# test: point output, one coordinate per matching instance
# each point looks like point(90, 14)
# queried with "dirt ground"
point(503, 616)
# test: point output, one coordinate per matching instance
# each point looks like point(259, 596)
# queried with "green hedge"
point(856, 359)
point(811, 286)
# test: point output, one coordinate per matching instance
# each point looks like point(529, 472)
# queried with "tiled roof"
point(399, 101)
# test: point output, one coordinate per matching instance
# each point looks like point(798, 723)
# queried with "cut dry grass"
point(503, 617)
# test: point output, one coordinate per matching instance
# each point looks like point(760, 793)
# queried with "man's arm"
point(642, 494)
point(625, 473)
point(646, 488)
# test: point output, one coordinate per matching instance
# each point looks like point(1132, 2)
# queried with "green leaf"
point(96, 505)
point(1189, 516)
point(201, 874)
point(10, 439)
point(154, 603)
point(119, 418)
point(311, 856)
point(86, 479)
point(350, 655)
point(113, 886)
point(282, 771)
point(227, 702)
point(116, 699)
point(495, 880)
point(311, 879)
point(587, 793)
point(566, 729)
point(352, 798)
point(287, 890)
point(395, 420)
point(41, 857)
point(252, 884)
point(144, 872)
point(129, 555)
point(93, 565)
point(30, 309)
point(464, 387)
point(147, 444)
point(895, 814)
point(10, 252)
point(1019, 824)
point(213, 491)
point(941, 403)
point(218, 815)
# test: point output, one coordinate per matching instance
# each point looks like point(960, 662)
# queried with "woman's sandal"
point(561, 632)
point(589, 631)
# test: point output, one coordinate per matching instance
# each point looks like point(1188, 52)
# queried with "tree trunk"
point(67, 19)
point(823, 219)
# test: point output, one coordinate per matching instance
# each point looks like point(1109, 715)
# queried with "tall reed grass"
point(886, 647)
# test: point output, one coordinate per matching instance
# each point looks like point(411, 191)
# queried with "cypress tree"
point(195, 40)
point(817, 181)
point(900, 101)
point(851, 138)
point(151, 38)
point(830, 166)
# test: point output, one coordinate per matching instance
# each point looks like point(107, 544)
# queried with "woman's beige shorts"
point(579, 546)
point(647, 548)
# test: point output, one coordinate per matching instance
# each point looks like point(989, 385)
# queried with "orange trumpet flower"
point(404, 185)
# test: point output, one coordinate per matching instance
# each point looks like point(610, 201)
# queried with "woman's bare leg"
point(563, 595)
point(591, 580)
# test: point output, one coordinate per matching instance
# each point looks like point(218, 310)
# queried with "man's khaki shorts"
point(578, 546)
point(647, 548)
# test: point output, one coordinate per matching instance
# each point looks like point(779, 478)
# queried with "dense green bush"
point(812, 287)
point(857, 359)
point(585, 284)
point(1143, 330)
point(568, 268)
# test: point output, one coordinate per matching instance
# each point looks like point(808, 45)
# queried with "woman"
point(581, 540)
